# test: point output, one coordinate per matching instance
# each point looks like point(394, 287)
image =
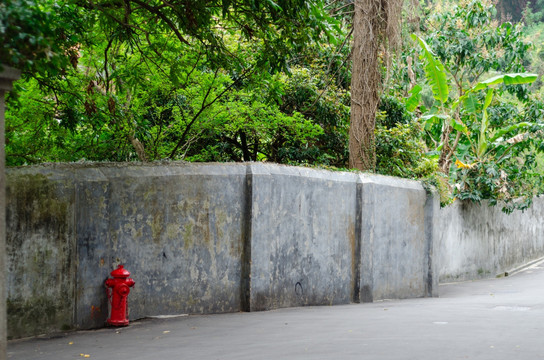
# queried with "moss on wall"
point(40, 253)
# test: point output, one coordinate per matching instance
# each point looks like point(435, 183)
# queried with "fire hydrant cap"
point(120, 272)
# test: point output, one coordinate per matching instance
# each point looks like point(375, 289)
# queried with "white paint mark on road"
point(512, 308)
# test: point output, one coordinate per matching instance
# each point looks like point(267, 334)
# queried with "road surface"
point(499, 319)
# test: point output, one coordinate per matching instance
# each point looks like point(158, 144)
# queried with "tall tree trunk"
point(365, 84)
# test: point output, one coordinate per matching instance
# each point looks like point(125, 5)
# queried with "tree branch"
point(204, 107)
point(164, 18)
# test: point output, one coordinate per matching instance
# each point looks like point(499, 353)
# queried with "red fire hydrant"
point(120, 287)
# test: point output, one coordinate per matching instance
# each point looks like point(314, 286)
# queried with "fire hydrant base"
point(117, 322)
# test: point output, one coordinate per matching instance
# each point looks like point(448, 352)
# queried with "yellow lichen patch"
point(173, 231)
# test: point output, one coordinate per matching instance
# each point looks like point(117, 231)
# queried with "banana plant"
point(448, 110)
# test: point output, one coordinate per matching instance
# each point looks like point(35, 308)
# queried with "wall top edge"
point(391, 181)
point(118, 165)
point(287, 170)
point(101, 171)
point(52, 174)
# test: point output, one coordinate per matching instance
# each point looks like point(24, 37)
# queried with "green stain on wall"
point(37, 315)
point(157, 226)
point(40, 205)
point(188, 241)
point(37, 201)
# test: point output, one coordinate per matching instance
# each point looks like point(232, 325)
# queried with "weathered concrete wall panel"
point(177, 229)
point(478, 241)
point(394, 246)
point(40, 251)
point(93, 239)
point(302, 237)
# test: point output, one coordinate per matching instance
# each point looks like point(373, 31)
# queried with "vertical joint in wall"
point(431, 212)
point(366, 241)
point(247, 209)
point(356, 246)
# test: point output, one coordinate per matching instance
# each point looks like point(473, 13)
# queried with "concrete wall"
point(212, 238)
point(302, 237)
point(394, 238)
point(178, 229)
point(478, 241)
point(41, 251)
point(209, 238)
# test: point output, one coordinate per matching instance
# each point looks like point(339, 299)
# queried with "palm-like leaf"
point(506, 79)
point(434, 71)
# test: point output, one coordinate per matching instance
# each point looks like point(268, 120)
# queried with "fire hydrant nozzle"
point(118, 290)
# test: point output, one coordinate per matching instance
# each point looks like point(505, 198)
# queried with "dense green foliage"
point(39, 36)
point(269, 81)
point(483, 129)
point(493, 137)
point(191, 81)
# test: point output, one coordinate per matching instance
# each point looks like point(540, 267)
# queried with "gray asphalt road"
point(489, 319)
